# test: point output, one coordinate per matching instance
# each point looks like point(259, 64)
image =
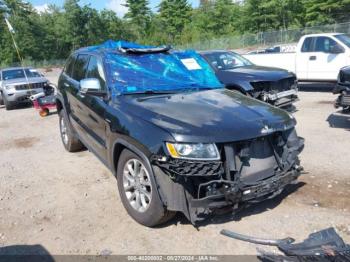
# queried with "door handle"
point(66, 84)
point(312, 58)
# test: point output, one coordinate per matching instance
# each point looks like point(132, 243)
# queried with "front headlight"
point(9, 87)
point(193, 151)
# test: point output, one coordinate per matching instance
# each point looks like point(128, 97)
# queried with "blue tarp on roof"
point(164, 71)
point(122, 44)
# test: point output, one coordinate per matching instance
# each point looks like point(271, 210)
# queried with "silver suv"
point(17, 84)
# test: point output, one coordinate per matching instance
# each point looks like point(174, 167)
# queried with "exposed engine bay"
point(280, 93)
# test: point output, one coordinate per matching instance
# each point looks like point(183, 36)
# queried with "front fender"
point(242, 86)
point(134, 133)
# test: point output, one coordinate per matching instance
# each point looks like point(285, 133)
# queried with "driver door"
point(323, 64)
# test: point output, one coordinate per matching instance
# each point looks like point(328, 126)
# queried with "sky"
point(115, 5)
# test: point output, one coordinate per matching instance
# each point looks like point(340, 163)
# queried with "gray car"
point(17, 84)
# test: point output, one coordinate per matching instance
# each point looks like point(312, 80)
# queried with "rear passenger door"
point(72, 87)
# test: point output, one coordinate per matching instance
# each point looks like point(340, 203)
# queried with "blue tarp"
point(165, 71)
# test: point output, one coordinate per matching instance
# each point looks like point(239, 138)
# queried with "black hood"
point(252, 73)
point(217, 115)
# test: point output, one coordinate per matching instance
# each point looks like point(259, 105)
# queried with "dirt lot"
point(69, 203)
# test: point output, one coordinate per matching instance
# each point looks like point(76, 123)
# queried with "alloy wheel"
point(137, 185)
point(64, 131)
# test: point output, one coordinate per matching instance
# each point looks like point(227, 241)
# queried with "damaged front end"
point(343, 100)
point(281, 93)
point(343, 89)
point(248, 172)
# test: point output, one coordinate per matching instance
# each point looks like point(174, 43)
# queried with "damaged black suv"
point(176, 140)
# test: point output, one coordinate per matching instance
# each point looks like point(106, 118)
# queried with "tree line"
point(53, 34)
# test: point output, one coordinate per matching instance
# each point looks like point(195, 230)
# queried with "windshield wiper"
point(166, 92)
point(152, 92)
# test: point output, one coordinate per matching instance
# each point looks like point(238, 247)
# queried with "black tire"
point(156, 213)
point(346, 110)
point(70, 142)
point(8, 105)
point(1, 99)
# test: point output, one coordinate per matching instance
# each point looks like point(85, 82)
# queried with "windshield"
point(226, 60)
point(19, 73)
point(159, 73)
point(345, 39)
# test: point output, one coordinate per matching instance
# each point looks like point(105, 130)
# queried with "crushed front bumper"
point(249, 172)
point(236, 193)
point(282, 99)
point(177, 194)
point(343, 99)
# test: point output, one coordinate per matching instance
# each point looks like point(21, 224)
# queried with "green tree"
point(263, 15)
point(75, 23)
point(326, 11)
point(174, 15)
point(138, 16)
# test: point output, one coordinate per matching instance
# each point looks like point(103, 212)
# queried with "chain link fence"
point(266, 39)
point(37, 64)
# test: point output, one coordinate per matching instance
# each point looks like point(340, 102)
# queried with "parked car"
point(173, 136)
point(273, 85)
point(17, 84)
point(343, 89)
point(318, 57)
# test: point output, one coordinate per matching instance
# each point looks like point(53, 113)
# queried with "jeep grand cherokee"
point(176, 140)
point(17, 84)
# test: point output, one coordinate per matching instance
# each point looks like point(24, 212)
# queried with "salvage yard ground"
point(69, 203)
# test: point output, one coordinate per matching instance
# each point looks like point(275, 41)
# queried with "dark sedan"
point(272, 85)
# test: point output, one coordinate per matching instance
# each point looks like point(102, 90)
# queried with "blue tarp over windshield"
point(165, 71)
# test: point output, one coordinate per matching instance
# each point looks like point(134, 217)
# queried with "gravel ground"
point(69, 203)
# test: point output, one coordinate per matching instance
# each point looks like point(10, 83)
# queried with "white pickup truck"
point(318, 57)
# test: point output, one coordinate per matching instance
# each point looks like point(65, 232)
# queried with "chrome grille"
point(30, 86)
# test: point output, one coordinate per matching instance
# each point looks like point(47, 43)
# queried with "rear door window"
point(80, 67)
point(95, 70)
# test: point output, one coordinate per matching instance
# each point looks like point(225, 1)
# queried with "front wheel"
point(70, 142)
point(1, 99)
point(138, 191)
point(8, 105)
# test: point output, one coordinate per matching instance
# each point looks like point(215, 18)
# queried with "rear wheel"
point(138, 191)
point(70, 142)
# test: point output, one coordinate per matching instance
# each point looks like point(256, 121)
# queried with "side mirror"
point(91, 86)
point(336, 49)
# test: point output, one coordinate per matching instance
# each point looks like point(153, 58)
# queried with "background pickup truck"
point(318, 57)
